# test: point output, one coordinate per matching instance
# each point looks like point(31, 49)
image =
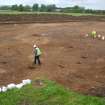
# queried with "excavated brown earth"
point(47, 18)
point(68, 56)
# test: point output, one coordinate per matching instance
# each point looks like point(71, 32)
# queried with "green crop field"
point(48, 94)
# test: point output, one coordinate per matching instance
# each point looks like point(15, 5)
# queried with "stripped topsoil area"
point(68, 57)
point(46, 18)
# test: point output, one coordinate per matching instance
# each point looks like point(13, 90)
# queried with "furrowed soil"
point(68, 57)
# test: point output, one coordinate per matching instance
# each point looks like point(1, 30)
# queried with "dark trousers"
point(37, 60)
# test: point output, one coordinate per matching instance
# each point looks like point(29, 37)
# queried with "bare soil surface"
point(68, 57)
point(46, 18)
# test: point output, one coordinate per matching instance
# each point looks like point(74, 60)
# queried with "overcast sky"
point(94, 4)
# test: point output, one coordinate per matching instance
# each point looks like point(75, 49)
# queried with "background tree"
point(35, 7)
point(14, 7)
point(51, 8)
point(27, 8)
point(78, 9)
point(5, 7)
point(20, 7)
point(43, 8)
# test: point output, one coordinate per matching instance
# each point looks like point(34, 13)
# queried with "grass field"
point(57, 13)
point(48, 94)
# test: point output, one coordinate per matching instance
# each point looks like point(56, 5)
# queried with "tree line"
point(50, 8)
point(78, 9)
point(34, 7)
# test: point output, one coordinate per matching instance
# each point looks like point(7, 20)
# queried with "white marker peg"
point(86, 35)
point(103, 38)
point(99, 36)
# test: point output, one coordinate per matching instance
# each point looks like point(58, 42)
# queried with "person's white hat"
point(34, 45)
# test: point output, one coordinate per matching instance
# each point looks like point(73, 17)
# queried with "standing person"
point(37, 54)
point(94, 34)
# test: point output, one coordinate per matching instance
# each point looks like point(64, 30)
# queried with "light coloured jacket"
point(37, 51)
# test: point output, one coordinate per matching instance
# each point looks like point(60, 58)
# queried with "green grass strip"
point(48, 94)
